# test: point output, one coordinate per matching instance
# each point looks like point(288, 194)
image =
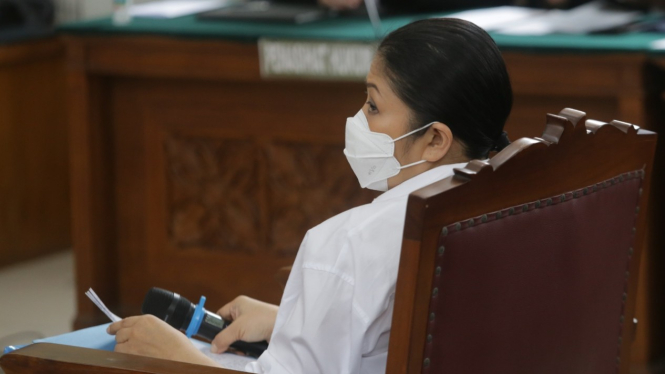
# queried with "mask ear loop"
point(412, 164)
point(413, 132)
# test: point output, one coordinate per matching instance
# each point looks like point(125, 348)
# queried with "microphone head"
point(168, 306)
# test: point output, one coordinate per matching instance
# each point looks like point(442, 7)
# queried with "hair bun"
point(501, 142)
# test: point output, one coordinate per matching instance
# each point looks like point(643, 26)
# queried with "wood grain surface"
point(34, 185)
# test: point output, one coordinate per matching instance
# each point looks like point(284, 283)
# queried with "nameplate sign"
point(329, 60)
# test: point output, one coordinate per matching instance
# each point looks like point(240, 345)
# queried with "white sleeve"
point(321, 332)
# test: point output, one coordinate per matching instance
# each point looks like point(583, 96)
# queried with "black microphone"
point(182, 314)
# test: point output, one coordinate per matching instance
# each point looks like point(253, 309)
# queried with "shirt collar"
point(419, 181)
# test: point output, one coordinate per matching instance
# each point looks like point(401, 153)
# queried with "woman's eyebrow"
point(372, 85)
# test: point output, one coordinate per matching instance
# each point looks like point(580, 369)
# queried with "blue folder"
point(92, 337)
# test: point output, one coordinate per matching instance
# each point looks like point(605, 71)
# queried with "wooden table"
point(192, 173)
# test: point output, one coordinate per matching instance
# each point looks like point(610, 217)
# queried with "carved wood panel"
point(212, 194)
point(307, 185)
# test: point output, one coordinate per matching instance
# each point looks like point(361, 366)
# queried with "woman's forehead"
point(375, 71)
point(376, 78)
point(382, 91)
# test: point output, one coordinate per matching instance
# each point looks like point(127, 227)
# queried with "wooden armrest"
point(57, 358)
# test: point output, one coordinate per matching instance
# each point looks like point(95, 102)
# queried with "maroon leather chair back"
point(527, 263)
point(536, 288)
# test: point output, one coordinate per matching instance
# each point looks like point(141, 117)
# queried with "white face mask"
point(372, 154)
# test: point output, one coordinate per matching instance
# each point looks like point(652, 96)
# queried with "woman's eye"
point(372, 107)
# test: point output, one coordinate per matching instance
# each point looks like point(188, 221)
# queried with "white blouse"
point(337, 307)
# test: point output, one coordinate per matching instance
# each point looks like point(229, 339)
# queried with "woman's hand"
point(341, 4)
point(149, 336)
point(253, 321)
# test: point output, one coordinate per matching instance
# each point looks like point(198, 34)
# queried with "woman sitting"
point(438, 95)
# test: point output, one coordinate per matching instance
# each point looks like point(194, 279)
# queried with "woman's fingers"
point(253, 321)
point(225, 311)
point(228, 336)
point(233, 310)
point(122, 335)
point(124, 323)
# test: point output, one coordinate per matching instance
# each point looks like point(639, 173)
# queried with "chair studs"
point(538, 204)
point(438, 270)
point(426, 362)
point(483, 219)
point(441, 249)
point(435, 291)
point(620, 319)
point(525, 207)
point(630, 251)
point(458, 226)
point(624, 297)
point(429, 338)
point(620, 341)
point(499, 215)
point(444, 231)
point(634, 230)
point(621, 178)
point(640, 192)
point(549, 202)
point(627, 274)
point(562, 198)
point(637, 210)
point(618, 360)
point(511, 211)
point(595, 188)
point(432, 316)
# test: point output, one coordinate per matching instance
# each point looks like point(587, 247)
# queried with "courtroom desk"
point(34, 184)
point(192, 173)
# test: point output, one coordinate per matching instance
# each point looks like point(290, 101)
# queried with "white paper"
point(586, 18)
point(225, 360)
point(544, 24)
point(491, 19)
point(95, 299)
point(658, 44)
point(175, 8)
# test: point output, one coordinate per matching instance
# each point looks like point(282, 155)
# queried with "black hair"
point(451, 71)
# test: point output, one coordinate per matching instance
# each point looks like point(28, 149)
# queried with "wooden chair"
point(524, 264)
point(527, 263)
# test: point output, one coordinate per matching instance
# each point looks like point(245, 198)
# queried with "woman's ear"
point(440, 141)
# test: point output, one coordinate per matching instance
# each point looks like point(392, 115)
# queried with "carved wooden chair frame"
point(522, 176)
